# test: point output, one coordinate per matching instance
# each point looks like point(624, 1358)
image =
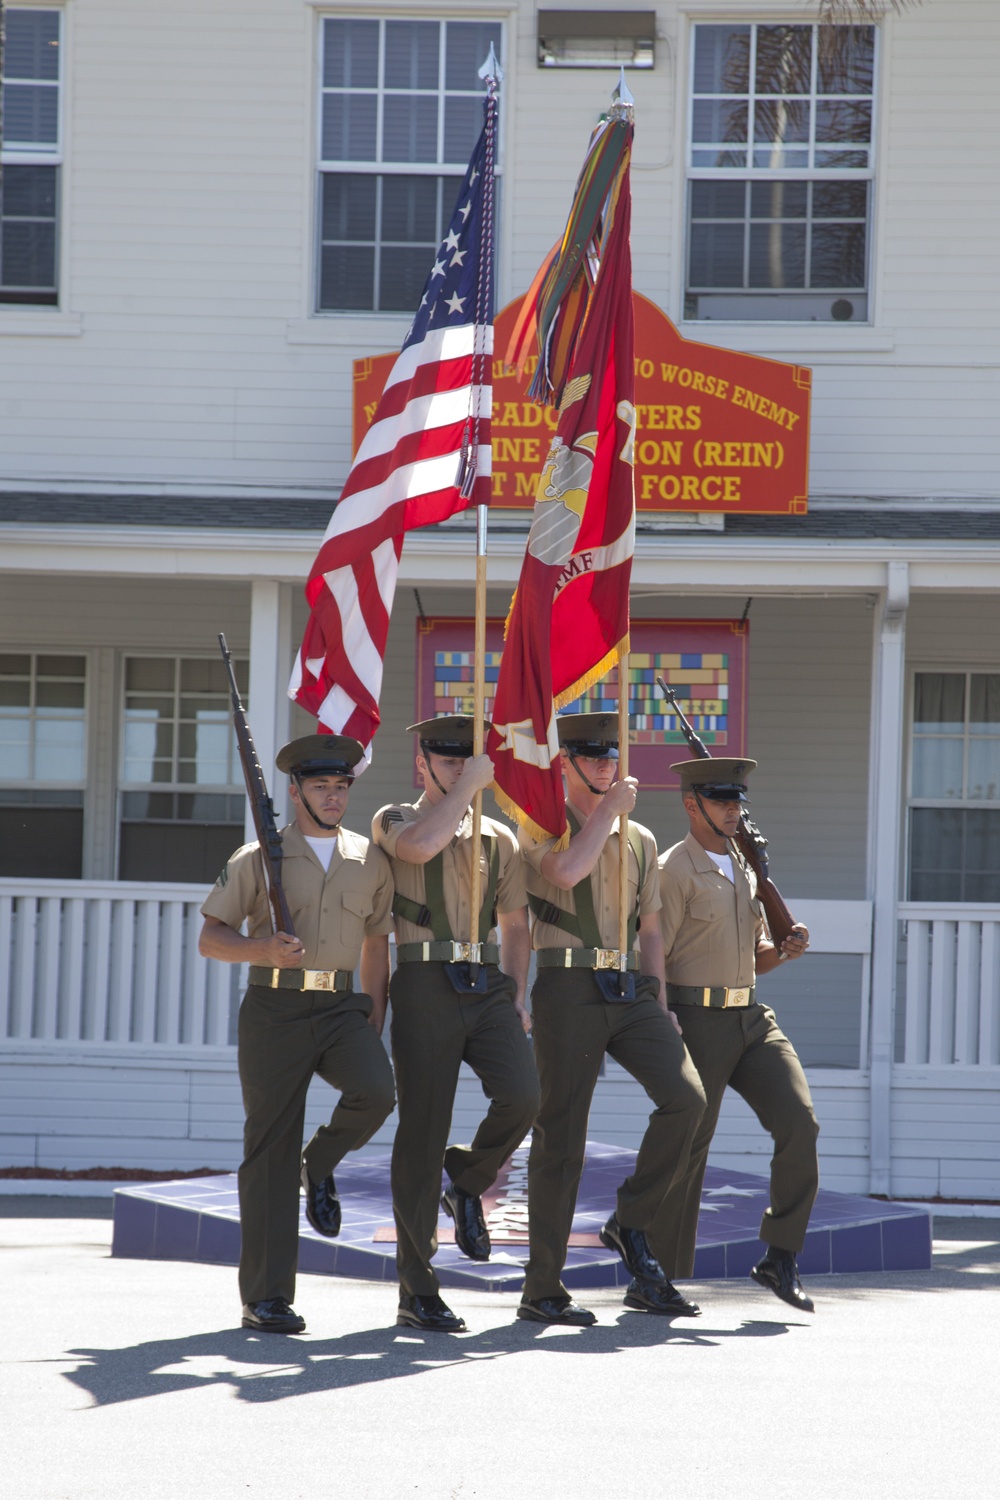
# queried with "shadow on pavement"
point(269, 1367)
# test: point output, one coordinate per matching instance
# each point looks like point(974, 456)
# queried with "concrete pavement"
point(132, 1379)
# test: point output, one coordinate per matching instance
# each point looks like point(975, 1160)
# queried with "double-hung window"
point(180, 788)
point(400, 110)
point(42, 764)
point(954, 822)
point(780, 167)
point(31, 157)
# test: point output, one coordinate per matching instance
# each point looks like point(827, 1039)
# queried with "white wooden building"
point(210, 209)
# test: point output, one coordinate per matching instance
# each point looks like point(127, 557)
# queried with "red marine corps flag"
point(569, 620)
point(425, 456)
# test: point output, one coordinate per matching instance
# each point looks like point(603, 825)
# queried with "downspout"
point(885, 842)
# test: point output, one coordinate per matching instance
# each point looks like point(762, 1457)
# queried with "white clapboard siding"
point(946, 1132)
point(172, 1109)
point(952, 994)
point(191, 356)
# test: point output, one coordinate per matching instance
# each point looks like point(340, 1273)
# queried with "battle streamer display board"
point(704, 661)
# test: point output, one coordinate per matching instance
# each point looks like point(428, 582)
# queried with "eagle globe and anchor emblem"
point(564, 484)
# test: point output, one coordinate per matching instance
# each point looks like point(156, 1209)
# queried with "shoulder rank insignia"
point(390, 816)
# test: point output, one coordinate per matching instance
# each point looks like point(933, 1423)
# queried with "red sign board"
point(716, 430)
point(704, 661)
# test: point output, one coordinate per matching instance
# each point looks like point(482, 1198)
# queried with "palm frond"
point(860, 12)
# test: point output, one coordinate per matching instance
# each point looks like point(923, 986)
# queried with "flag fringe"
point(510, 615)
point(534, 830)
point(601, 669)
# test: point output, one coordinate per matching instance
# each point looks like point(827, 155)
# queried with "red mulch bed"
point(101, 1174)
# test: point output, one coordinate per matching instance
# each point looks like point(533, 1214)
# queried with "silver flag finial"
point(491, 72)
point(622, 97)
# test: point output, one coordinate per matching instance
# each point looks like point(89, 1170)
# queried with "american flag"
point(425, 456)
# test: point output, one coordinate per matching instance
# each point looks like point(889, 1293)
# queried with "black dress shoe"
point(633, 1247)
point(660, 1297)
point(274, 1315)
point(780, 1274)
point(428, 1312)
point(555, 1310)
point(471, 1235)
point(322, 1204)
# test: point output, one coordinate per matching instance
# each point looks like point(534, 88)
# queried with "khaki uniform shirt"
point(710, 926)
point(603, 884)
point(387, 825)
point(332, 911)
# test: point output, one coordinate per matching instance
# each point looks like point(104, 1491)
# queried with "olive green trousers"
point(285, 1036)
point(434, 1030)
point(745, 1050)
point(573, 1028)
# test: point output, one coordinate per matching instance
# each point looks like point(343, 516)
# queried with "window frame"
point(751, 174)
point(376, 168)
point(54, 800)
point(173, 788)
point(36, 784)
point(963, 803)
point(42, 154)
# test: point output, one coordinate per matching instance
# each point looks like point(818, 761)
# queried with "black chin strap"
point(327, 827)
point(430, 771)
point(701, 809)
point(427, 754)
point(730, 843)
point(589, 785)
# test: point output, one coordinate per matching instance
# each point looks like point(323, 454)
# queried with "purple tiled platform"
point(198, 1219)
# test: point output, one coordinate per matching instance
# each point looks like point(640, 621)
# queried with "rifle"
point(748, 839)
point(260, 804)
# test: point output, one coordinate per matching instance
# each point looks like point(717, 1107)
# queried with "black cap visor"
point(455, 749)
point(590, 749)
point(308, 768)
point(720, 791)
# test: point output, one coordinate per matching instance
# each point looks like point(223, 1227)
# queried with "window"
point(29, 176)
point(42, 765)
point(955, 787)
point(401, 109)
point(780, 173)
point(181, 786)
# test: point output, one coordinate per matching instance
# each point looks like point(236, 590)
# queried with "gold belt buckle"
point(466, 953)
point(737, 997)
point(607, 958)
point(319, 979)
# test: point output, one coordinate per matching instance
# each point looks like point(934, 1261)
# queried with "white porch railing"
point(109, 961)
point(952, 991)
point(118, 961)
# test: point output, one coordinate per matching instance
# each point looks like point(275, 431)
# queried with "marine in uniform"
point(716, 944)
point(447, 1010)
point(584, 1006)
point(302, 1014)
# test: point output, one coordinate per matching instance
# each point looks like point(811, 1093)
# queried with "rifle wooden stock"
point(260, 804)
point(779, 919)
point(750, 842)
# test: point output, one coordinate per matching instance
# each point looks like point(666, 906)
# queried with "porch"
point(117, 1044)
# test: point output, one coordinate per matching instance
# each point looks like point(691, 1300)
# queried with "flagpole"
point(479, 710)
point(623, 104)
point(623, 844)
point(492, 75)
